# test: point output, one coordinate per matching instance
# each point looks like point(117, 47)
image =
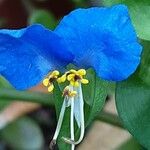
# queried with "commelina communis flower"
point(99, 37)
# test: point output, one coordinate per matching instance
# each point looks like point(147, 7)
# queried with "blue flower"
point(102, 38)
point(27, 55)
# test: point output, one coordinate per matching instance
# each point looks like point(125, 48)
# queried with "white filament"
point(60, 120)
point(81, 115)
point(81, 105)
point(72, 119)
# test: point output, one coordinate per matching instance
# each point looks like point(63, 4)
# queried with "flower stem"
point(47, 99)
point(28, 96)
point(110, 119)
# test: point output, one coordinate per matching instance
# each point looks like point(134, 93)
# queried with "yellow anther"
point(73, 93)
point(74, 83)
point(51, 88)
point(73, 71)
point(74, 77)
point(59, 80)
point(70, 77)
point(46, 82)
point(84, 81)
point(81, 72)
point(68, 92)
point(55, 73)
point(62, 79)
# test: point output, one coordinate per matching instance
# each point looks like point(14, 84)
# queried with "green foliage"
point(43, 17)
point(23, 134)
point(133, 105)
point(8, 93)
point(94, 95)
point(130, 144)
point(144, 72)
point(4, 84)
point(140, 14)
point(100, 90)
point(80, 3)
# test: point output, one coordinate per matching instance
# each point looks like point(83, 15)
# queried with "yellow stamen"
point(84, 81)
point(73, 71)
point(73, 93)
point(74, 77)
point(69, 93)
point(81, 72)
point(46, 82)
point(55, 73)
point(50, 88)
point(70, 77)
point(62, 79)
point(74, 83)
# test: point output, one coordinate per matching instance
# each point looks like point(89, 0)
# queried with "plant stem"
point(47, 99)
point(110, 119)
point(37, 97)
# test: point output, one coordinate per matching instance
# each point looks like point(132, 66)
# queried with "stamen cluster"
point(74, 77)
point(71, 93)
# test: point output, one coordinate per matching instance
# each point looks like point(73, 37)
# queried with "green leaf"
point(144, 71)
point(8, 94)
point(94, 95)
point(23, 134)
point(43, 17)
point(4, 84)
point(133, 105)
point(139, 11)
point(80, 3)
point(130, 144)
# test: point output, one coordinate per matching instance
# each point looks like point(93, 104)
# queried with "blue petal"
point(102, 38)
point(28, 54)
